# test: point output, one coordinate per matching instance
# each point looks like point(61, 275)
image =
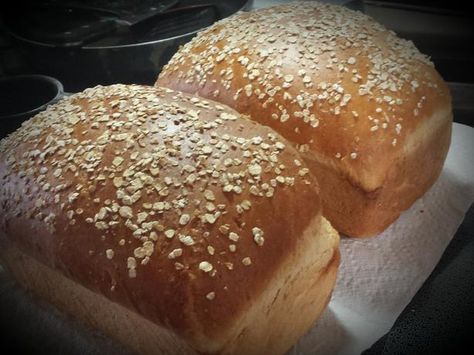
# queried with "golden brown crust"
point(93, 185)
point(297, 295)
point(333, 81)
point(408, 179)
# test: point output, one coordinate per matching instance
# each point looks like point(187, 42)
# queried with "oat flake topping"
point(146, 172)
point(307, 61)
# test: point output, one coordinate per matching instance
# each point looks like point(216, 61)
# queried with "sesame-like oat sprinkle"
point(234, 237)
point(186, 239)
point(184, 219)
point(156, 174)
point(169, 233)
point(205, 266)
point(110, 253)
point(175, 253)
point(324, 61)
point(258, 236)
point(247, 261)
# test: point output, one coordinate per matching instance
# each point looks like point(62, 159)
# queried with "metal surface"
point(23, 96)
point(132, 56)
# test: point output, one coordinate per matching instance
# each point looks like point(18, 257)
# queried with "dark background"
point(440, 318)
point(443, 30)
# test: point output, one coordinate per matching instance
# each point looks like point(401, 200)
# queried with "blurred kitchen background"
point(90, 42)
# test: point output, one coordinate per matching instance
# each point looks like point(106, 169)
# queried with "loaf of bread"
point(170, 222)
point(369, 113)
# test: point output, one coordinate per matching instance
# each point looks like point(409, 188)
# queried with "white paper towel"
point(379, 276)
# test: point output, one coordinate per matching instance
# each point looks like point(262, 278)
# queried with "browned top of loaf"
point(171, 205)
point(331, 80)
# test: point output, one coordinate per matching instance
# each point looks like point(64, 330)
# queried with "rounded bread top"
point(174, 206)
point(331, 80)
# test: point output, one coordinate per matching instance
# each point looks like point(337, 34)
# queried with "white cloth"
point(379, 276)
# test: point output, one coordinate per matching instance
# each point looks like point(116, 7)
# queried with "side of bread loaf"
point(361, 104)
point(171, 207)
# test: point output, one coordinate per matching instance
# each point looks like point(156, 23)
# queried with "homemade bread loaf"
point(170, 222)
point(369, 113)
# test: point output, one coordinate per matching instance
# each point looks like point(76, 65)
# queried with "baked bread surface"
point(174, 207)
point(360, 103)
